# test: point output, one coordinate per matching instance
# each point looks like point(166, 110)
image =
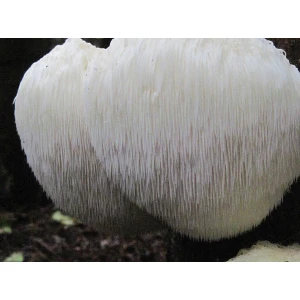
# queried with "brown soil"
point(41, 239)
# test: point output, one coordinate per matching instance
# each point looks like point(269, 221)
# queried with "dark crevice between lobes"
point(100, 43)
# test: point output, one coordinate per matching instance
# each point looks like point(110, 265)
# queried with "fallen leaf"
point(63, 219)
point(15, 257)
point(5, 229)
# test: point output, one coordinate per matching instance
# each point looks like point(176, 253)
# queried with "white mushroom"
point(201, 133)
point(50, 121)
point(267, 252)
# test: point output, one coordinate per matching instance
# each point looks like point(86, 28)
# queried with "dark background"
point(24, 206)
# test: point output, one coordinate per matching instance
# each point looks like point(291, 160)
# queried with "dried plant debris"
point(40, 238)
point(58, 216)
point(15, 257)
point(5, 229)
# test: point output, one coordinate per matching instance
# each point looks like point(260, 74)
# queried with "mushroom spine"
point(49, 113)
point(202, 133)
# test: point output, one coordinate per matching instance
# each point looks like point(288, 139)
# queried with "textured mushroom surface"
point(201, 133)
point(267, 252)
point(49, 113)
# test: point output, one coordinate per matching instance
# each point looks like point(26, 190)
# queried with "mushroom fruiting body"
point(203, 134)
point(49, 113)
point(265, 251)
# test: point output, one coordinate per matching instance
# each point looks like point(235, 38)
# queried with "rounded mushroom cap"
point(201, 133)
point(49, 113)
point(265, 251)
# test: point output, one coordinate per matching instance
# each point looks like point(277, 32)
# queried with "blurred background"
point(31, 229)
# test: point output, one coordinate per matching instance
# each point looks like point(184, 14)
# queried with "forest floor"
point(33, 235)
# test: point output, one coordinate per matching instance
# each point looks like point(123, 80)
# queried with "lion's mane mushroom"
point(201, 133)
point(50, 121)
point(265, 251)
